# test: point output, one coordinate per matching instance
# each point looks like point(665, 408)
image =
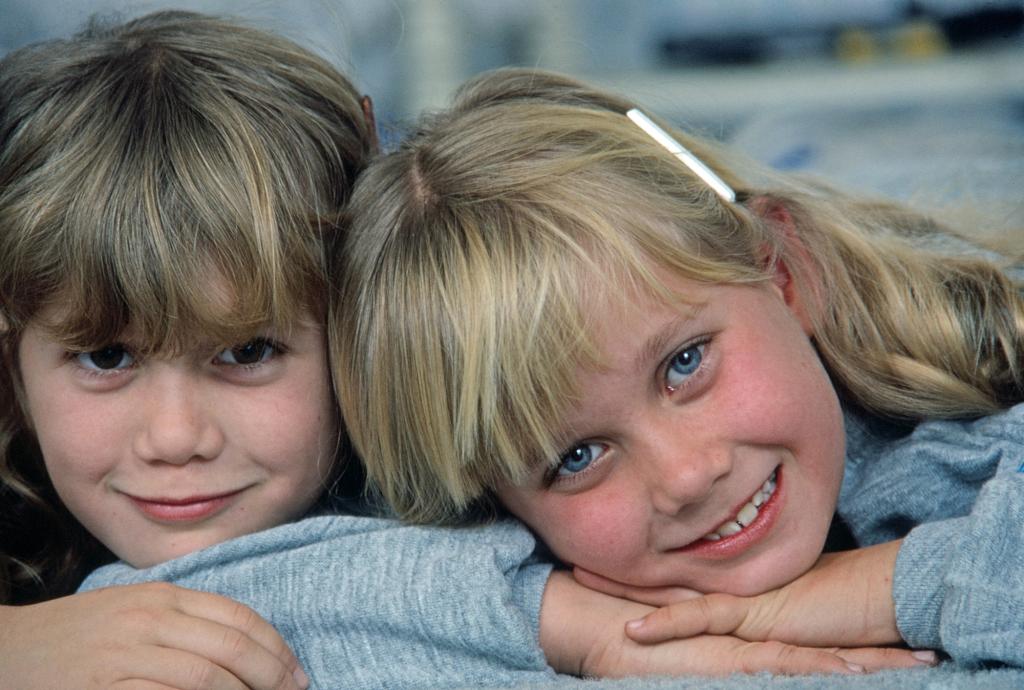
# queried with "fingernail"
point(925, 656)
point(634, 626)
point(301, 678)
point(856, 668)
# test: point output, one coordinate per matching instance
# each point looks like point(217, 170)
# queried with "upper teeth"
point(747, 514)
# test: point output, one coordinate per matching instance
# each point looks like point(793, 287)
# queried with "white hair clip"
point(683, 154)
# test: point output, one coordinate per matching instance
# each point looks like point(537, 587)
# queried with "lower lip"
point(735, 544)
point(192, 511)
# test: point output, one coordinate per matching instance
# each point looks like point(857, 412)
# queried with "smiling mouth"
point(192, 509)
point(747, 514)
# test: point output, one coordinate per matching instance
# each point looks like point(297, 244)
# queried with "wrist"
point(866, 577)
point(882, 627)
point(582, 631)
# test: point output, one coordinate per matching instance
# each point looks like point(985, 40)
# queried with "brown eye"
point(106, 358)
point(252, 352)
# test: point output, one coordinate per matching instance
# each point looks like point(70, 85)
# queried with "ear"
point(787, 259)
point(371, 122)
point(791, 294)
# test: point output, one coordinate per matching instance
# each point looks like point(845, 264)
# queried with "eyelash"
point(552, 476)
point(276, 346)
point(704, 345)
point(73, 357)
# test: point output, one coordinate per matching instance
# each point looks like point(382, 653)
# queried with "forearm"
point(845, 600)
point(9, 625)
point(26, 660)
point(855, 588)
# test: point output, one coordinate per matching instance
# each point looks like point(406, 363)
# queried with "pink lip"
point(734, 545)
point(189, 509)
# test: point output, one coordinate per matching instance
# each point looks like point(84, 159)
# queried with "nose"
point(683, 468)
point(177, 424)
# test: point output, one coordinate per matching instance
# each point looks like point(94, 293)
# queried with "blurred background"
point(916, 99)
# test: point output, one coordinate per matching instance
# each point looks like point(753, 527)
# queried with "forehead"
point(637, 318)
point(629, 335)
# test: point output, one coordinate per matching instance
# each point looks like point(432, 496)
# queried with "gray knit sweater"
point(955, 490)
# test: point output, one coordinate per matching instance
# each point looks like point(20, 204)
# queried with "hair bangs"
point(159, 226)
point(452, 314)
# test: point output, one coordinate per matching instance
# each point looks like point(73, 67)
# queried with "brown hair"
point(137, 161)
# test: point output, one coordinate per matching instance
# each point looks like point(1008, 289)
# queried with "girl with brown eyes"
point(166, 190)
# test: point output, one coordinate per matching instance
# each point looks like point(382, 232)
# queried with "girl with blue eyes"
point(686, 373)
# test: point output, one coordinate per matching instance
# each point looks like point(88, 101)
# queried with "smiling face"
point(161, 456)
point(706, 452)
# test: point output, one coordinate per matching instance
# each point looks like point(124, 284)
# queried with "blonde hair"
point(179, 174)
point(478, 249)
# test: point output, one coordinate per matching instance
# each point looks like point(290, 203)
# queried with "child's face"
point(159, 457)
point(694, 416)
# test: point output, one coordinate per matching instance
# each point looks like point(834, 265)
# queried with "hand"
point(150, 636)
point(721, 655)
point(845, 600)
point(582, 634)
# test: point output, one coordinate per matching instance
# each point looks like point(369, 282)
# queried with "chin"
point(758, 578)
point(168, 552)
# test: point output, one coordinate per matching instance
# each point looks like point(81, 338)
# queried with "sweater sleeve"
point(368, 603)
point(954, 491)
point(959, 583)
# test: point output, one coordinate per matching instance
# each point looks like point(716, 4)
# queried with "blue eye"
point(255, 351)
point(112, 357)
point(579, 458)
point(683, 365)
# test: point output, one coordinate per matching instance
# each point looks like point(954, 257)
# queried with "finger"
point(236, 616)
point(652, 596)
point(780, 658)
point(161, 596)
point(160, 667)
point(226, 648)
point(714, 614)
point(878, 658)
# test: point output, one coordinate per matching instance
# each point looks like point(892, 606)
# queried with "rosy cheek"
point(598, 532)
point(79, 445)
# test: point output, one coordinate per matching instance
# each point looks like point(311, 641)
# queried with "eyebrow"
point(655, 345)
